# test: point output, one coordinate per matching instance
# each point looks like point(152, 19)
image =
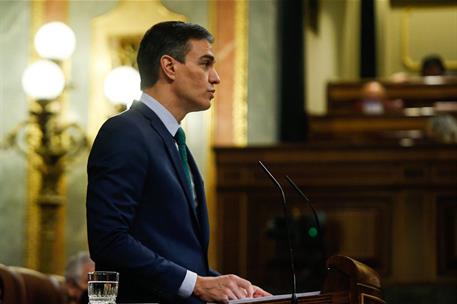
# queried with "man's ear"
point(167, 64)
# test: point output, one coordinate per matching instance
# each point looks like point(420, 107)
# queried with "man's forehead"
point(201, 48)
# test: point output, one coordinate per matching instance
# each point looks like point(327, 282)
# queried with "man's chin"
point(203, 107)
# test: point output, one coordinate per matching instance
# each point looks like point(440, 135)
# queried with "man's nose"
point(214, 77)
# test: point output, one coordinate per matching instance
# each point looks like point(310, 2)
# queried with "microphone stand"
point(293, 299)
point(316, 219)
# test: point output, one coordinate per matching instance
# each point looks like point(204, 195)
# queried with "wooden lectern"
point(348, 282)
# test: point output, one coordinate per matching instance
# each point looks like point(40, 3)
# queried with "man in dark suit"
point(146, 209)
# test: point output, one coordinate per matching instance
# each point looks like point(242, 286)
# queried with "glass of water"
point(102, 287)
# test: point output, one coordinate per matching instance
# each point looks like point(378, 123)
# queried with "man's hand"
point(259, 292)
point(225, 288)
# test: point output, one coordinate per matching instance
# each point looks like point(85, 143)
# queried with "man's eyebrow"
point(208, 57)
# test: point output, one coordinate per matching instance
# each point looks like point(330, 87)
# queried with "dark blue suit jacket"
point(140, 216)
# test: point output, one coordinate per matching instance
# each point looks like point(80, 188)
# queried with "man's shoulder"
point(132, 118)
point(139, 114)
point(131, 127)
point(126, 122)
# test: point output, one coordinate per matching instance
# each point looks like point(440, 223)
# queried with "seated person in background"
point(432, 65)
point(374, 101)
point(443, 128)
point(76, 277)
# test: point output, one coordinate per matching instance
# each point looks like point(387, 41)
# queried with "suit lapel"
point(172, 151)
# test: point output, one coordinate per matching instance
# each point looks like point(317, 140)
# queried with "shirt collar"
point(164, 115)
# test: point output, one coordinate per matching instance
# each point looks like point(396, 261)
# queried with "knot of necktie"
point(180, 137)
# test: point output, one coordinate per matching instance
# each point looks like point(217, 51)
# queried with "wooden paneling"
point(376, 204)
point(447, 234)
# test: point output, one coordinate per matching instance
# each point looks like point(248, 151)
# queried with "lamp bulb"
point(55, 40)
point(43, 80)
point(122, 85)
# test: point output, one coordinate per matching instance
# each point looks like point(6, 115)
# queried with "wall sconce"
point(122, 86)
point(46, 138)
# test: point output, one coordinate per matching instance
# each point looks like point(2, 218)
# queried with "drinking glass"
point(102, 287)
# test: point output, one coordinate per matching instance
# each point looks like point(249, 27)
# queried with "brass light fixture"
point(46, 137)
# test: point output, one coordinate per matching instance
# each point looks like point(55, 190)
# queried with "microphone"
point(291, 251)
point(316, 219)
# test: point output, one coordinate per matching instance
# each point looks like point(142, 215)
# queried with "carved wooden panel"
point(447, 234)
point(352, 225)
point(381, 205)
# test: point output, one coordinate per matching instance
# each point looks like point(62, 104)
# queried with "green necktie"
point(180, 138)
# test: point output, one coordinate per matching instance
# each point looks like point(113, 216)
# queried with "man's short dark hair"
point(166, 38)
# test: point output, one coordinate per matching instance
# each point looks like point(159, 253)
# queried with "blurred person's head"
point(76, 275)
point(372, 97)
point(432, 66)
point(373, 90)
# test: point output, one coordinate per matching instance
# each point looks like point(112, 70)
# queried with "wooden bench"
point(20, 285)
point(406, 115)
point(343, 97)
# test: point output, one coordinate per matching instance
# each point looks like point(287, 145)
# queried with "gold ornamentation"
point(124, 50)
point(48, 143)
point(407, 60)
point(240, 100)
point(33, 178)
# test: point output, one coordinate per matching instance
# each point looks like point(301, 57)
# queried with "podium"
point(348, 282)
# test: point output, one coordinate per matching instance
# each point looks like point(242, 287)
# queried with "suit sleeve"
point(214, 273)
point(117, 169)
